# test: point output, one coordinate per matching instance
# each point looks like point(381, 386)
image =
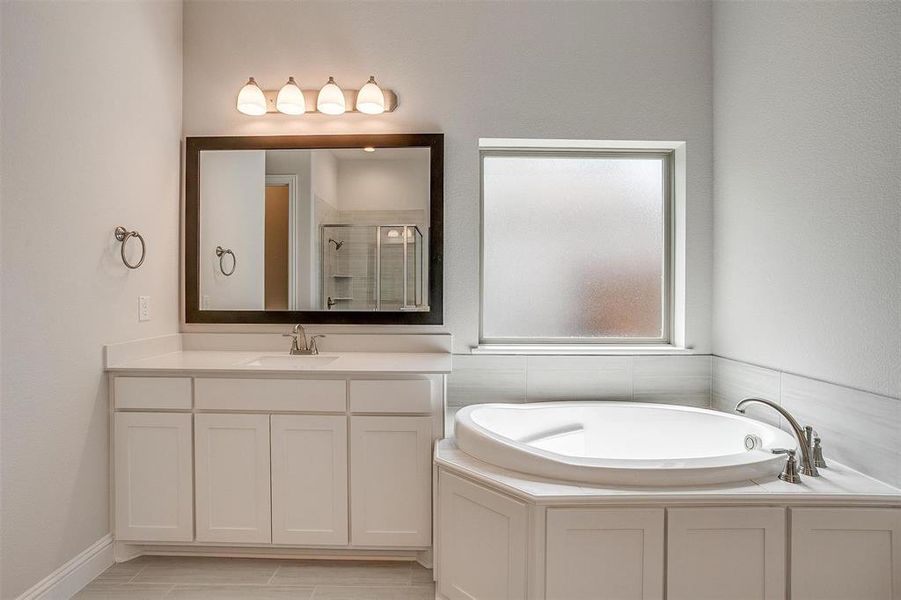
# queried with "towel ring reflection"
point(122, 235)
point(221, 252)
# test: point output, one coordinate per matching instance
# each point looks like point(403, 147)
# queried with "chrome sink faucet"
point(807, 440)
point(299, 342)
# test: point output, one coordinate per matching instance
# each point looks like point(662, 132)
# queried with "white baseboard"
point(68, 580)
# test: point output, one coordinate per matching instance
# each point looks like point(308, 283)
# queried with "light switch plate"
point(143, 308)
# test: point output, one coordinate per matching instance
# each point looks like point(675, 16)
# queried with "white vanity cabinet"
point(304, 461)
point(840, 553)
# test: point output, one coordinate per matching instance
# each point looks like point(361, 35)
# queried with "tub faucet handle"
point(818, 459)
point(790, 473)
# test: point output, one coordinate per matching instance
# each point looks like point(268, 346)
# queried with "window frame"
point(672, 318)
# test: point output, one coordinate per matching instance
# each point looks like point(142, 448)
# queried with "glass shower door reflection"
point(400, 267)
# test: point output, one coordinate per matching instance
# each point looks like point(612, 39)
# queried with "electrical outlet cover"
point(143, 308)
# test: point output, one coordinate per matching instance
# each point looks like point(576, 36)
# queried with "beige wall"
point(808, 216)
point(384, 185)
point(597, 70)
point(90, 119)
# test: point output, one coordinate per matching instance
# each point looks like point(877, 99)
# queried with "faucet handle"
point(314, 349)
point(818, 459)
point(295, 349)
point(790, 473)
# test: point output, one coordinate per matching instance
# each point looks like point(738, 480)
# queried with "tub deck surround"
point(838, 485)
point(504, 534)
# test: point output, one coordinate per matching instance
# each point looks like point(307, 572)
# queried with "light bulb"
point(370, 99)
point(368, 149)
point(331, 99)
point(290, 99)
point(251, 100)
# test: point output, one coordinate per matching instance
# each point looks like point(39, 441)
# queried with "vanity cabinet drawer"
point(391, 396)
point(287, 395)
point(164, 393)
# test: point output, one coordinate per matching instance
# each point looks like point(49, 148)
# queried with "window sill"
point(582, 349)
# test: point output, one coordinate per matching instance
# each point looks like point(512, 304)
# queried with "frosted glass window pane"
point(573, 246)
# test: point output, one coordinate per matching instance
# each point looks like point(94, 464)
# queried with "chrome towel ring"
point(122, 235)
point(221, 252)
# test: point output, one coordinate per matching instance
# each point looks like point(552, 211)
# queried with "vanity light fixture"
point(370, 99)
point(331, 99)
point(251, 100)
point(290, 99)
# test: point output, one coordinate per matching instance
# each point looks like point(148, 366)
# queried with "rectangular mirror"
point(314, 229)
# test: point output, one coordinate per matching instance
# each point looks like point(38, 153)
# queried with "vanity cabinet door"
point(391, 481)
point(232, 478)
point(604, 554)
point(153, 477)
point(841, 553)
point(309, 479)
point(726, 554)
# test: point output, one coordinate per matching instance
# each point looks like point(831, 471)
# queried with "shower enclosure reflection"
point(372, 267)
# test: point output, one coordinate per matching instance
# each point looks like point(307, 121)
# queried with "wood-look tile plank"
point(123, 591)
point(121, 572)
point(342, 573)
point(239, 592)
point(419, 574)
point(415, 592)
point(197, 570)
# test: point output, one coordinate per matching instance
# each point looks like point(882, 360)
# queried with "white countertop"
point(224, 361)
point(837, 485)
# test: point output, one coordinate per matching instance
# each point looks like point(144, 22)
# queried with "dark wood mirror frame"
point(193, 147)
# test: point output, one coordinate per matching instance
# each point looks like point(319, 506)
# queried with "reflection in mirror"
point(315, 229)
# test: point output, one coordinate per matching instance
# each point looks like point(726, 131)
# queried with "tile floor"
point(158, 577)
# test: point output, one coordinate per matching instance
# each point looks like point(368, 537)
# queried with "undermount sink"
point(288, 361)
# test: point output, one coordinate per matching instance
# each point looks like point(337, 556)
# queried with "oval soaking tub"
point(621, 443)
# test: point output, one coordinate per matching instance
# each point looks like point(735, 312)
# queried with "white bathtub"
point(620, 443)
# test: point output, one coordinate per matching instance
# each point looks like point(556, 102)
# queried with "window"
point(576, 242)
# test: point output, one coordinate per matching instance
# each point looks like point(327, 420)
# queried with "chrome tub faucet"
point(808, 441)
